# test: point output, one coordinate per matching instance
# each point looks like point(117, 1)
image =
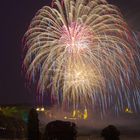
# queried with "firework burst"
point(84, 52)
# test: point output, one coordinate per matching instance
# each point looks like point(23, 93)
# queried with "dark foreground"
point(93, 137)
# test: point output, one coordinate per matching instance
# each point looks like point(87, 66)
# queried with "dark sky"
point(15, 18)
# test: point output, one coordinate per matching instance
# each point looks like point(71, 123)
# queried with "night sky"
point(15, 19)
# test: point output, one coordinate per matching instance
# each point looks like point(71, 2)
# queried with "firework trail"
point(84, 52)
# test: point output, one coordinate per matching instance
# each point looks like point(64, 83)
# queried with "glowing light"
point(84, 53)
point(74, 113)
point(65, 117)
point(85, 114)
point(42, 109)
point(37, 109)
point(80, 114)
point(127, 110)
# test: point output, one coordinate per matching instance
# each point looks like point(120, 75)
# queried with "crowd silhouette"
point(62, 130)
point(110, 133)
point(55, 130)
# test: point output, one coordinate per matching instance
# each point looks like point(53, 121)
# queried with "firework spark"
point(84, 52)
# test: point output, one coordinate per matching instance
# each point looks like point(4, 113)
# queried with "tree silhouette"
point(33, 125)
